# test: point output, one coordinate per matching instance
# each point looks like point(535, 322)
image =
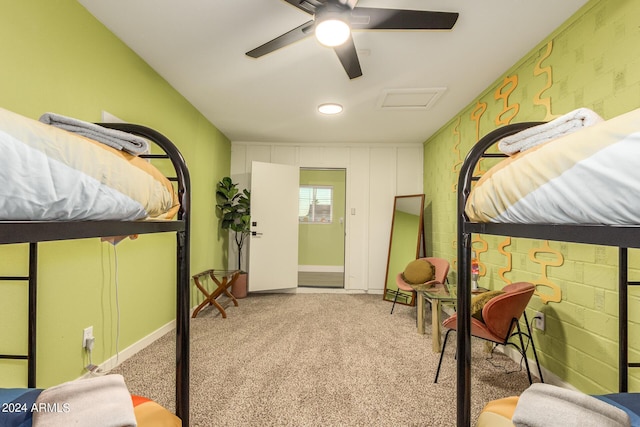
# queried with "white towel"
point(544, 405)
point(92, 402)
point(535, 135)
point(114, 138)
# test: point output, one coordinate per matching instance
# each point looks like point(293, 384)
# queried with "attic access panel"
point(409, 99)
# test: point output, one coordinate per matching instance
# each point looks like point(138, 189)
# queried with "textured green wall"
point(323, 244)
point(57, 57)
point(593, 61)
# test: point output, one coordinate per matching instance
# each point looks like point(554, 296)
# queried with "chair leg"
point(524, 354)
point(444, 345)
point(394, 302)
point(533, 347)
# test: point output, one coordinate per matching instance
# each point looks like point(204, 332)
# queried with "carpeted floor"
point(316, 360)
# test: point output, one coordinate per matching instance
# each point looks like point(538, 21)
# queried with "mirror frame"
point(404, 298)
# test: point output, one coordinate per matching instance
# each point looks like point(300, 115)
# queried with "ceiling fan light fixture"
point(332, 30)
point(330, 108)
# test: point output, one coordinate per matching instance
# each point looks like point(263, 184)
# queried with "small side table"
point(223, 280)
point(436, 294)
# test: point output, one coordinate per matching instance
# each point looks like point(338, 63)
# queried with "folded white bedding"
point(536, 135)
point(545, 405)
point(49, 174)
point(92, 402)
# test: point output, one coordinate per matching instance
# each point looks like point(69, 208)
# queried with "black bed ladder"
point(31, 279)
point(623, 319)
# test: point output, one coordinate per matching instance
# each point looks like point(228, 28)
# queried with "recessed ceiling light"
point(330, 108)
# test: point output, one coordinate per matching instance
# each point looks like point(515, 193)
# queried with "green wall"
point(56, 57)
point(593, 61)
point(323, 244)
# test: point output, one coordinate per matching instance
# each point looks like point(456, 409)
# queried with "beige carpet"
point(316, 360)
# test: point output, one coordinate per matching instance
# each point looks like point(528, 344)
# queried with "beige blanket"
point(544, 405)
point(92, 402)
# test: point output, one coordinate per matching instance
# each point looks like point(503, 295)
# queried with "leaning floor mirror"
point(406, 243)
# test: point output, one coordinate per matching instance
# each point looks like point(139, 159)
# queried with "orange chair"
point(501, 316)
point(441, 266)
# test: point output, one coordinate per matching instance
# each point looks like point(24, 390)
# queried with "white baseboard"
point(318, 290)
point(322, 268)
point(548, 376)
point(130, 351)
point(322, 290)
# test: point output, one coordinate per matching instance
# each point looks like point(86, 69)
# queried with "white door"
point(273, 249)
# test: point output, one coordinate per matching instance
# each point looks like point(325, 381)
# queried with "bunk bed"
point(623, 233)
point(33, 232)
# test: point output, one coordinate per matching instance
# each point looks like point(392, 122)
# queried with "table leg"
point(229, 285)
point(222, 288)
point(420, 310)
point(220, 309)
point(435, 325)
point(207, 298)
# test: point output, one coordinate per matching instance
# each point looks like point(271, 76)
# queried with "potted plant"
point(234, 211)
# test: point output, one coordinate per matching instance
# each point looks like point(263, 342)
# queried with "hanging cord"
point(93, 369)
point(502, 366)
point(117, 283)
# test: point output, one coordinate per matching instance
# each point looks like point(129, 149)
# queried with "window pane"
point(304, 204)
point(315, 204)
point(323, 196)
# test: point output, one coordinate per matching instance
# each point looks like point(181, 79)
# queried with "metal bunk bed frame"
point(623, 237)
point(33, 232)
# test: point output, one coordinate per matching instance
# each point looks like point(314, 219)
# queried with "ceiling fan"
point(340, 17)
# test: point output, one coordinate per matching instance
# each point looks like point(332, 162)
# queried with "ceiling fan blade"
point(351, 3)
point(308, 6)
point(349, 58)
point(286, 39)
point(395, 19)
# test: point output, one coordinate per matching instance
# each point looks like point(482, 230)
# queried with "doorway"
point(321, 228)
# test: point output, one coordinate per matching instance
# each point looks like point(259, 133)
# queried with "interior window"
point(316, 204)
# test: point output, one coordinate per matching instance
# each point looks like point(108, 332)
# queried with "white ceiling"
point(199, 47)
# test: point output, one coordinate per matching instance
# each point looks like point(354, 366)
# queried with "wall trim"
point(115, 360)
point(322, 268)
point(330, 144)
point(549, 377)
point(321, 290)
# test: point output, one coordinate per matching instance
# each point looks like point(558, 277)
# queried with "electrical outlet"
point(539, 320)
point(86, 335)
